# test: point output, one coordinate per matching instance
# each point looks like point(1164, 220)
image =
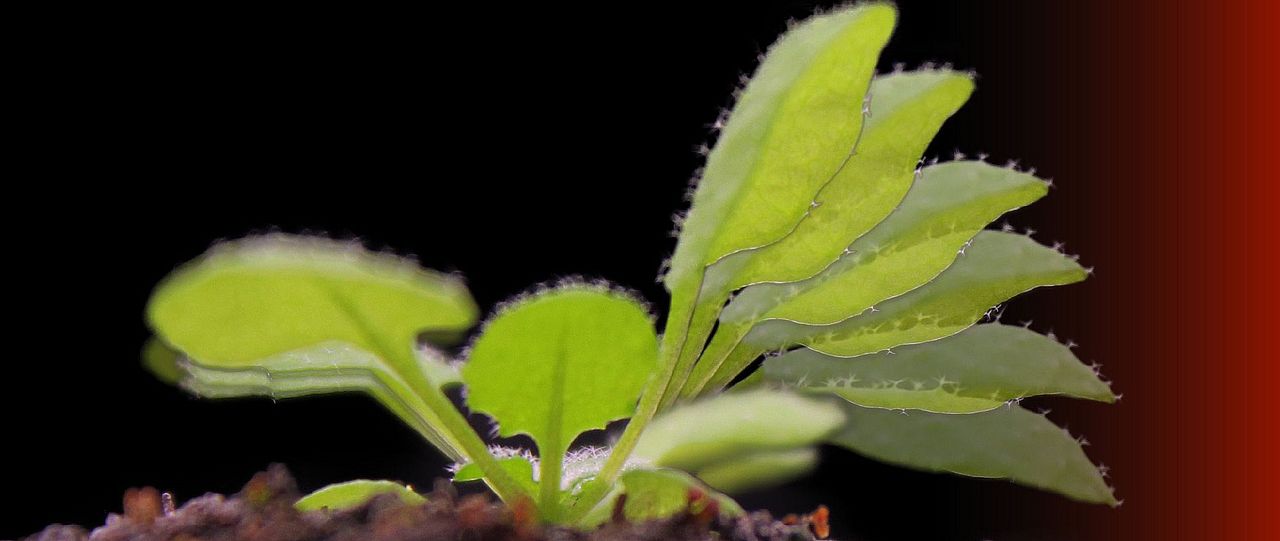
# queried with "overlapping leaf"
point(996, 266)
point(796, 123)
point(943, 211)
point(1006, 443)
point(907, 109)
point(318, 314)
point(978, 369)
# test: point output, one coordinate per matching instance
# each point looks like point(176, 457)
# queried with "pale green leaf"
point(259, 297)
point(520, 468)
point(161, 360)
point(1007, 443)
point(284, 315)
point(945, 208)
point(723, 427)
point(990, 363)
point(907, 109)
point(325, 368)
point(796, 122)
point(759, 470)
point(560, 363)
point(653, 494)
point(995, 267)
point(351, 494)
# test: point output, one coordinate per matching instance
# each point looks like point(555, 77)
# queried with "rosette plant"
point(816, 239)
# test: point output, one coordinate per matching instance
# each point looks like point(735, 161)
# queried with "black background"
point(514, 145)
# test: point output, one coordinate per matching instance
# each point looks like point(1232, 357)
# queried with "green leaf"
point(907, 110)
point(979, 368)
point(325, 316)
point(582, 355)
point(519, 467)
point(323, 369)
point(793, 127)
point(260, 297)
point(728, 426)
point(351, 494)
point(760, 470)
point(654, 494)
point(287, 316)
point(945, 208)
point(161, 360)
point(995, 267)
point(1006, 443)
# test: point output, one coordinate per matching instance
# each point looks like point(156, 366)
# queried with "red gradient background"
point(1170, 109)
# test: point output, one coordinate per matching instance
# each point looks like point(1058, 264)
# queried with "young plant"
point(815, 238)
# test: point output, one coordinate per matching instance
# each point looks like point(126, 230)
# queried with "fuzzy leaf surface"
point(907, 110)
point(945, 208)
point(990, 363)
point(996, 266)
point(340, 496)
point(796, 122)
point(560, 363)
point(1005, 443)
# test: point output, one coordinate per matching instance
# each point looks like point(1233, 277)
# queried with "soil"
point(263, 511)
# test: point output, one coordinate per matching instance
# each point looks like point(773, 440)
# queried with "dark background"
point(514, 145)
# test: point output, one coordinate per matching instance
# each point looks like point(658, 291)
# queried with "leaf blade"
point(994, 362)
point(340, 496)
point(1005, 443)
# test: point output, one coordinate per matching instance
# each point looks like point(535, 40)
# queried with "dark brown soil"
point(263, 511)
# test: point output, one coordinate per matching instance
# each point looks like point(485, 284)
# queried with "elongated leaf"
point(326, 368)
point(907, 110)
point(659, 493)
point(794, 125)
point(759, 470)
point(319, 315)
point(350, 494)
point(946, 207)
point(1007, 443)
point(985, 363)
point(720, 428)
point(996, 267)
point(560, 363)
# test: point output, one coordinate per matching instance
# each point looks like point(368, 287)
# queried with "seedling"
point(815, 238)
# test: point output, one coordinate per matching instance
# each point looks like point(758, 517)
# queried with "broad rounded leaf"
point(259, 297)
point(1006, 443)
point(350, 494)
point(557, 364)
